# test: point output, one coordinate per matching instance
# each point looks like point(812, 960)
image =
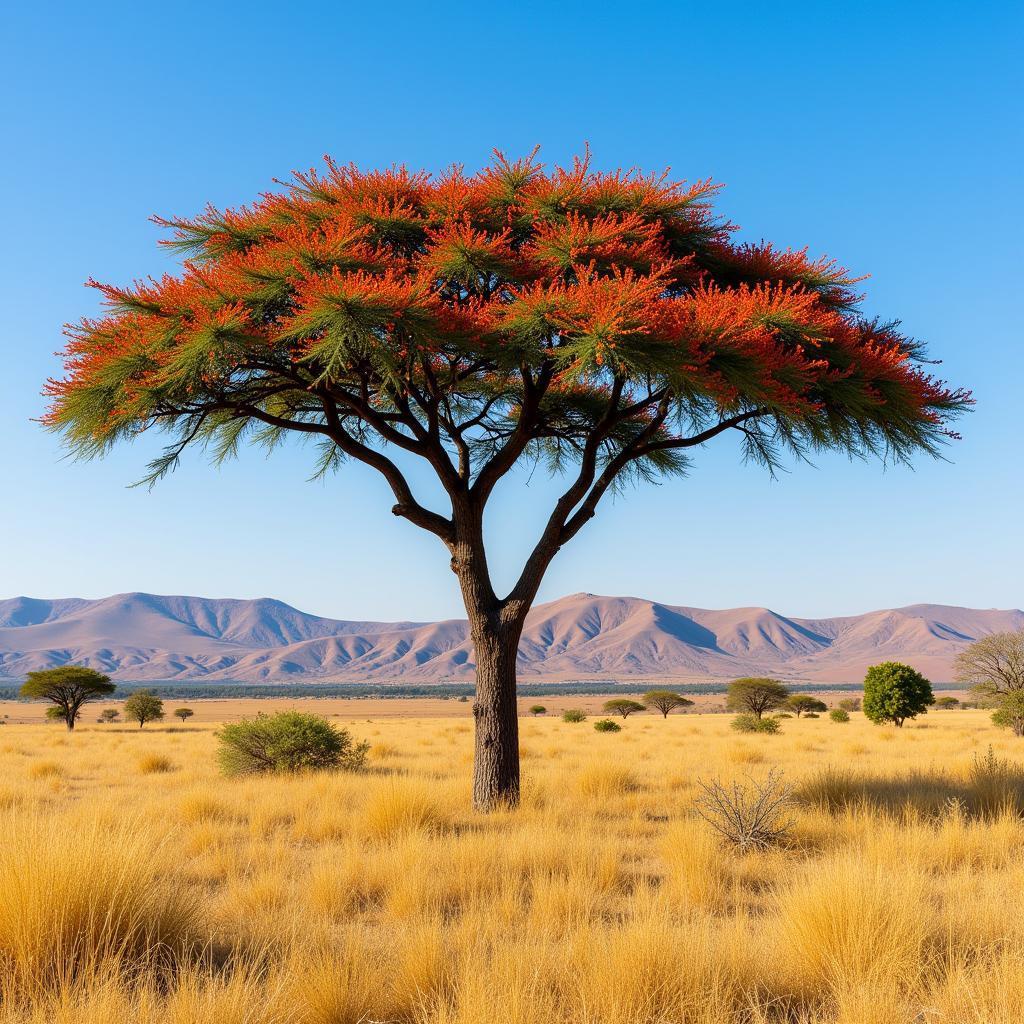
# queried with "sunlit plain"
point(137, 884)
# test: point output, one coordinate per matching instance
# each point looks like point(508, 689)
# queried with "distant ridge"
point(148, 637)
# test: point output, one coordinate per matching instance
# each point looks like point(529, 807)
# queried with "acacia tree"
point(69, 688)
point(665, 701)
point(622, 706)
point(993, 666)
point(756, 695)
point(604, 323)
point(803, 703)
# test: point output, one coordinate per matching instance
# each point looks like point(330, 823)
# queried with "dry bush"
point(154, 764)
point(748, 817)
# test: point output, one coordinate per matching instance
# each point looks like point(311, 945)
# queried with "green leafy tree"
point(606, 325)
point(538, 709)
point(755, 695)
point(894, 692)
point(69, 688)
point(802, 704)
point(665, 701)
point(622, 706)
point(183, 713)
point(946, 703)
point(574, 715)
point(143, 706)
point(289, 741)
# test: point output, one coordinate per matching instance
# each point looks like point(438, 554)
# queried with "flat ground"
point(140, 885)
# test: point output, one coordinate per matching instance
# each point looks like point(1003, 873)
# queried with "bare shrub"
point(749, 816)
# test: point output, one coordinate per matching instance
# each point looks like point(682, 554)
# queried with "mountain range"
point(140, 637)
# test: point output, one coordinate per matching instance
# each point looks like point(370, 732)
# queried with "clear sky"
point(886, 135)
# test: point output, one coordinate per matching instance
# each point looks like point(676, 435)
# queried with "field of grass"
point(138, 885)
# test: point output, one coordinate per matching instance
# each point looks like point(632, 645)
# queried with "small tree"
point(143, 706)
point(183, 713)
point(850, 704)
point(802, 703)
point(665, 701)
point(756, 695)
point(108, 715)
point(894, 692)
point(538, 709)
point(840, 715)
point(946, 703)
point(994, 669)
point(574, 715)
point(622, 706)
point(1009, 713)
point(289, 741)
point(68, 688)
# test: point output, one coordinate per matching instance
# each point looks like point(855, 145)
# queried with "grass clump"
point(155, 764)
point(289, 741)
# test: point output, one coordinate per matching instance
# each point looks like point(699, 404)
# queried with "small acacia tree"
point(143, 706)
point(183, 713)
point(69, 688)
point(605, 324)
point(802, 703)
point(894, 692)
point(665, 701)
point(622, 706)
point(994, 669)
point(756, 695)
point(108, 715)
point(538, 709)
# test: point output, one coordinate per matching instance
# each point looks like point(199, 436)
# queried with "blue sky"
point(886, 135)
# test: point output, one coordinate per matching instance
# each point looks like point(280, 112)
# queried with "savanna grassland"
point(137, 884)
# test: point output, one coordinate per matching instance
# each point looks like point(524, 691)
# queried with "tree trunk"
point(496, 755)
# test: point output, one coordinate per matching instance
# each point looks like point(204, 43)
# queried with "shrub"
point(894, 692)
point(751, 723)
point(839, 715)
point(289, 741)
point(810, 714)
point(850, 704)
point(1009, 713)
point(749, 817)
point(538, 709)
point(574, 715)
point(108, 715)
point(607, 725)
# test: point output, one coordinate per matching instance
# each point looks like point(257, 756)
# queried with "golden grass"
point(137, 884)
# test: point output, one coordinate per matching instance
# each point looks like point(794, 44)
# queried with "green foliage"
point(607, 725)
point(55, 714)
point(538, 709)
point(804, 704)
point(183, 713)
point(108, 715)
point(839, 715)
point(1009, 713)
point(289, 741)
point(68, 688)
point(946, 703)
point(143, 706)
point(622, 706)
point(574, 715)
point(894, 692)
point(755, 695)
point(748, 722)
point(665, 701)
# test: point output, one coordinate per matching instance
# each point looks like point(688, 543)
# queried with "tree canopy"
point(894, 692)
point(665, 701)
point(68, 688)
point(143, 706)
point(623, 706)
point(802, 703)
point(756, 695)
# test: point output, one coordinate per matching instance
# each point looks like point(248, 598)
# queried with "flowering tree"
point(604, 323)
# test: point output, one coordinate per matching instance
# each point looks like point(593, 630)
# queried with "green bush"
point(289, 741)
point(538, 709)
point(839, 715)
point(751, 723)
point(574, 715)
point(607, 725)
